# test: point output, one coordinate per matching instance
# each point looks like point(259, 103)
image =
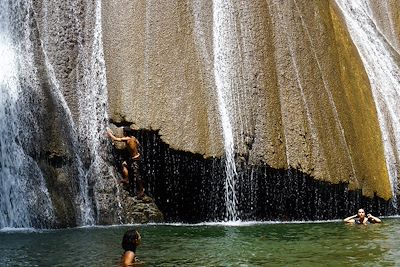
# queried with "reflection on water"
point(303, 244)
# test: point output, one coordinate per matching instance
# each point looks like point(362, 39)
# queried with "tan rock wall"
point(156, 77)
point(359, 115)
point(298, 93)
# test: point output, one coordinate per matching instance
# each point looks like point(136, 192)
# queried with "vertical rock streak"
point(92, 103)
point(381, 62)
point(327, 88)
point(310, 122)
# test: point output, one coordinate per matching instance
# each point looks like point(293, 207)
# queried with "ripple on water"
point(300, 244)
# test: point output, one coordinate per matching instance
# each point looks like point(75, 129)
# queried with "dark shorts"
point(134, 174)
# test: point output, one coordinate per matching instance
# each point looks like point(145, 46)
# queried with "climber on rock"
point(130, 168)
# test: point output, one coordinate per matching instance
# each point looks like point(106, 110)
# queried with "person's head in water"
point(131, 240)
point(361, 213)
point(362, 218)
point(127, 131)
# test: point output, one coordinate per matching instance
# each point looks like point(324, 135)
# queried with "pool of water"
point(266, 244)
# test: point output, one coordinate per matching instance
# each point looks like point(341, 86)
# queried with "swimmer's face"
point(361, 213)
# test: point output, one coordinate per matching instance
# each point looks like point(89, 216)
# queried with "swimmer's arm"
point(374, 219)
point(128, 259)
point(350, 219)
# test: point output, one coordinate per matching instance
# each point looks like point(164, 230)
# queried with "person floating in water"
point(130, 241)
point(360, 218)
point(130, 168)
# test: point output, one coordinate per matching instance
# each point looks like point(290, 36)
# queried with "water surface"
point(267, 244)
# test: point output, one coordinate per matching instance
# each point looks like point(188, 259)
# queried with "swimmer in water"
point(360, 218)
point(130, 242)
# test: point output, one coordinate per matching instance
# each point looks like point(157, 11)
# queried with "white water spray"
point(92, 98)
point(24, 198)
point(87, 106)
point(224, 42)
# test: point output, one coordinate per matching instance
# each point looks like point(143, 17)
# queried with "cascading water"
point(92, 103)
point(24, 198)
point(93, 96)
point(33, 81)
point(53, 113)
point(224, 41)
point(380, 59)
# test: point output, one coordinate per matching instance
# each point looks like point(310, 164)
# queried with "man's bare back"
point(132, 143)
point(132, 146)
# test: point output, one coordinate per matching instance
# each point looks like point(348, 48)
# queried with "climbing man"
point(131, 165)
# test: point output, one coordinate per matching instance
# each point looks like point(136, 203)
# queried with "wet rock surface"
point(297, 95)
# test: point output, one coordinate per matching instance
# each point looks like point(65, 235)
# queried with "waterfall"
point(87, 105)
point(24, 198)
point(34, 40)
point(224, 42)
point(380, 59)
point(92, 103)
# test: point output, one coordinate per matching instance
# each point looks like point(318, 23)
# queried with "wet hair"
point(127, 131)
point(129, 240)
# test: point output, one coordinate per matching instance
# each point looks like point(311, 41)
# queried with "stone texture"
point(299, 94)
point(359, 116)
point(157, 78)
point(116, 205)
point(387, 18)
point(65, 96)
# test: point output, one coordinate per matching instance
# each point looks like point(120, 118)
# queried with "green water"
point(295, 244)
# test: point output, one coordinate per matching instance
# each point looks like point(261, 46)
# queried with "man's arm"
point(373, 218)
point(350, 219)
point(114, 138)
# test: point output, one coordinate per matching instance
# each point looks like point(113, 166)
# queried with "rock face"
point(157, 78)
point(57, 168)
point(295, 90)
point(73, 53)
point(291, 88)
point(386, 15)
point(116, 205)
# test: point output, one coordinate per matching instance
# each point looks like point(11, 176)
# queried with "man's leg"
point(125, 173)
point(139, 180)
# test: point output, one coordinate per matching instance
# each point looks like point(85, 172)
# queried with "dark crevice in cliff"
point(189, 188)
